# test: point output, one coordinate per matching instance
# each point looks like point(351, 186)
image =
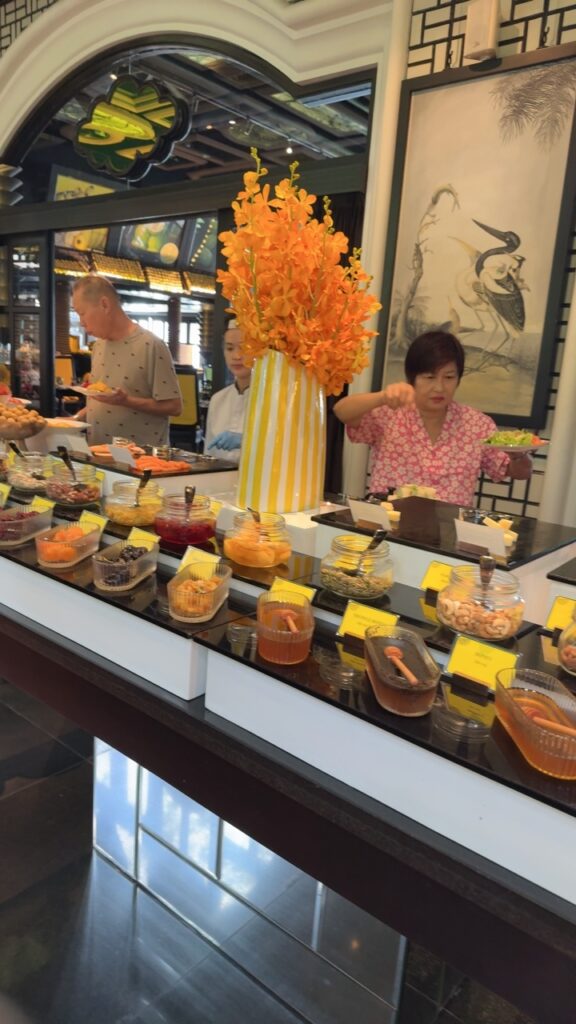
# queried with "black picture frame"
point(529, 368)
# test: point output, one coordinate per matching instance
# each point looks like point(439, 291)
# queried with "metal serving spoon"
point(189, 493)
point(487, 566)
point(63, 453)
point(145, 478)
point(376, 539)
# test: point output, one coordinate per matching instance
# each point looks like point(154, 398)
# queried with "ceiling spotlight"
point(289, 148)
point(231, 121)
point(113, 76)
point(209, 127)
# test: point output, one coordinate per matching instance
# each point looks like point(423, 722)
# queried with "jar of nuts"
point(493, 612)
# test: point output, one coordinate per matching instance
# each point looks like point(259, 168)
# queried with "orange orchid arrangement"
point(287, 286)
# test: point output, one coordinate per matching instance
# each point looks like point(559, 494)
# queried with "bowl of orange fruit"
point(63, 546)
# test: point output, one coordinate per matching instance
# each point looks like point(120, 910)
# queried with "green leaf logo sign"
point(131, 128)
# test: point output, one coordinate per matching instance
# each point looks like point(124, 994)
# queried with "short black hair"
point(431, 351)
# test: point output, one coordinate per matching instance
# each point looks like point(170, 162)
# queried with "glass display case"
point(26, 337)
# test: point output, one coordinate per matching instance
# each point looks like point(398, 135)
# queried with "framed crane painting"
point(480, 224)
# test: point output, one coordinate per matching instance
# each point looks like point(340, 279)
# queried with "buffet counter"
point(422, 808)
point(426, 528)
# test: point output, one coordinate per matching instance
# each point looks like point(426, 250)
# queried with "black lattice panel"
point(436, 43)
point(15, 15)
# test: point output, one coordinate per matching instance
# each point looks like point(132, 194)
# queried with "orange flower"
point(287, 286)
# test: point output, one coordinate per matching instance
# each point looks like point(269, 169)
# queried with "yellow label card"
point(4, 494)
point(92, 519)
point(549, 651)
point(142, 538)
point(428, 612)
point(480, 662)
point(483, 713)
point(293, 588)
point(352, 660)
point(436, 577)
point(100, 475)
point(10, 457)
point(193, 554)
point(215, 506)
point(41, 504)
point(358, 617)
point(560, 613)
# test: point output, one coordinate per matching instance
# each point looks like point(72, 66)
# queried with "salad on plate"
point(515, 441)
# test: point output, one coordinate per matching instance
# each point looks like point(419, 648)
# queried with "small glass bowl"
point(63, 546)
point(123, 566)
point(197, 592)
point(18, 526)
point(393, 691)
point(539, 714)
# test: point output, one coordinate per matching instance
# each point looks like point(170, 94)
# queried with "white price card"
point(478, 536)
point(369, 513)
point(120, 453)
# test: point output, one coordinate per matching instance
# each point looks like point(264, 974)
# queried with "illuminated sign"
point(132, 128)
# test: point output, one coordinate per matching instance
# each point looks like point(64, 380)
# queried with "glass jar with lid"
point(120, 506)
point(567, 646)
point(62, 488)
point(493, 612)
point(28, 472)
point(178, 526)
point(350, 573)
point(259, 545)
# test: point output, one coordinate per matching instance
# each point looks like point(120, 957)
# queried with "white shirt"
point(226, 411)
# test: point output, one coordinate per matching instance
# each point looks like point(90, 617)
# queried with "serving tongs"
point(376, 540)
point(63, 454)
point(189, 495)
point(22, 455)
point(145, 478)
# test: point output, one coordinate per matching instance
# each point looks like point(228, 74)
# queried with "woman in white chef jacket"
point(225, 420)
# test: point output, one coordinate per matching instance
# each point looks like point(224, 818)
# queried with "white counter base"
point(172, 662)
point(515, 831)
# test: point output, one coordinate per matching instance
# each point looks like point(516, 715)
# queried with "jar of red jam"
point(178, 526)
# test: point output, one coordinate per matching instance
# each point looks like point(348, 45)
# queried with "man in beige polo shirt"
point(132, 362)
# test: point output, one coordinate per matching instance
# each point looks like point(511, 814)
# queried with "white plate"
point(517, 449)
point(64, 423)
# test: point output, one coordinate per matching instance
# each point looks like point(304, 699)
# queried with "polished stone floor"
point(124, 902)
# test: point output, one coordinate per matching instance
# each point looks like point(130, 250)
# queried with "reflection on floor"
point(177, 917)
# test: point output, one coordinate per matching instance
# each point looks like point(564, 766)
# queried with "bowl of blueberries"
point(123, 566)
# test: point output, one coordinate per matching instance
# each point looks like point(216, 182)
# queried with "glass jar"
point(345, 572)
point(121, 507)
point(28, 472)
point(491, 614)
point(567, 647)
point(178, 526)
point(63, 489)
point(260, 545)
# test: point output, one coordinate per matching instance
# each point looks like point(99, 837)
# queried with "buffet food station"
point(110, 594)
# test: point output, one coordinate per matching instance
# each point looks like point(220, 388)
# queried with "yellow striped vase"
point(284, 441)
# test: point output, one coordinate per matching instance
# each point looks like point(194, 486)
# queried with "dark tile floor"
point(201, 926)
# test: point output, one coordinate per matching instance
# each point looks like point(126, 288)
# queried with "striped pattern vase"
point(284, 440)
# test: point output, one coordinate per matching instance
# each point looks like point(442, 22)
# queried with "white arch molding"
point(307, 42)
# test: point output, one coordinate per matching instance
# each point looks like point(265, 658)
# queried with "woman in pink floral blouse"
point(420, 435)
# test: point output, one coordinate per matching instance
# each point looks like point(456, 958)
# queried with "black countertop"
point(333, 673)
point(564, 573)
point(429, 525)
point(198, 464)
